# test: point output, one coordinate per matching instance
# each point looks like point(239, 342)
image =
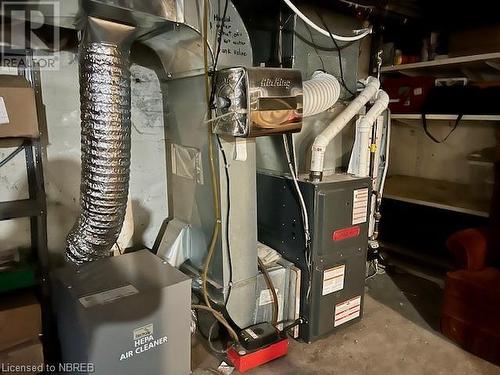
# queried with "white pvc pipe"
point(365, 127)
point(361, 33)
point(335, 127)
point(387, 148)
point(320, 93)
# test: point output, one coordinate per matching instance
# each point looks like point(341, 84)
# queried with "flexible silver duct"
point(105, 139)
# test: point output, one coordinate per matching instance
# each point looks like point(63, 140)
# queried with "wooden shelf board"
point(443, 117)
point(485, 61)
point(435, 193)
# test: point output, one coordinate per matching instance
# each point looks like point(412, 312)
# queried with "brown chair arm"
point(469, 248)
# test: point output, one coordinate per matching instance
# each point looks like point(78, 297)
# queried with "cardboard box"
point(20, 319)
point(26, 358)
point(18, 115)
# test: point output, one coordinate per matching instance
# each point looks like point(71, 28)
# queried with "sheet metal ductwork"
point(105, 139)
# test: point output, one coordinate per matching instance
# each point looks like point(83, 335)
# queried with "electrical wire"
point(118, 247)
point(378, 269)
point(226, 164)
point(387, 150)
point(342, 80)
point(220, 318)
point(217, 224)
point(210, 343)
point(272, 290)
point(217, 54)
point(228, 213)
point(315, 49)
point(360, 33)
point(305, 215)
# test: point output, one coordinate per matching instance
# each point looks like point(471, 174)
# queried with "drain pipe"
point(105, 138)
point(365, 127)
point(335, 127)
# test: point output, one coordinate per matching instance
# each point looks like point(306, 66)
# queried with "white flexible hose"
point(361, 33)
point(320, 93)
point(335, 127)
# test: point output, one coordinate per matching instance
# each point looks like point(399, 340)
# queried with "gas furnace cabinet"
point(338, 216)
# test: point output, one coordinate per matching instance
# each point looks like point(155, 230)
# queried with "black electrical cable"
point(314, 46)
point(219, 45)
point(228, 213)
point(224, 157)
point(342, 80)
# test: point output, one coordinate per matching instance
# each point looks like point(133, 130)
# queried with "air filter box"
point(128, 314)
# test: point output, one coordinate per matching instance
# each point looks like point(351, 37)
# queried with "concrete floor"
point(398, 335)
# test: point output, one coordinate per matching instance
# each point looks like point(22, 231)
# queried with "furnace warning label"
point(333, 279)
point(108, 296)
point(360, 206)
point(347, 311)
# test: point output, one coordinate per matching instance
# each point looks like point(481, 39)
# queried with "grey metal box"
point(128, 314)
point(338, 210)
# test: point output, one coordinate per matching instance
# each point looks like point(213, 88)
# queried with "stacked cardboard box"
point(18, 113)
point(20, 327)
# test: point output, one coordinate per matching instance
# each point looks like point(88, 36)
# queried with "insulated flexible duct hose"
point(105, 139)
point(320, 93)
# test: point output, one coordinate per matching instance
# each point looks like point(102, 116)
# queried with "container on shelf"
point(481, 174)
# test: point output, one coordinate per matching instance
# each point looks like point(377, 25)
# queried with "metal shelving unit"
point(35, 207)
point(407, 117)
point(440, 194)
point(486, 65)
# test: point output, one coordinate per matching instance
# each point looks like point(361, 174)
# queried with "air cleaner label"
point(108, 296)
point(347, 311)
point(333, 279)
point(143, 340)
point(360, 206)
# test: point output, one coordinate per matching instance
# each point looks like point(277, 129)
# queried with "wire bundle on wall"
point(360, 34)
point(216, 231)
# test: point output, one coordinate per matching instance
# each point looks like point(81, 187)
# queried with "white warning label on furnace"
point(108, 296)
point(333, 279)
point(347, 311)
point(4, 116)
point(360, 206)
